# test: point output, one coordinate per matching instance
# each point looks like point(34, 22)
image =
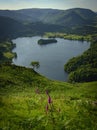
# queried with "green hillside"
point(14, 15)
point(84, 67)
point(70, 17)
point(10, 28)
point(30, 101)
point(38, 21)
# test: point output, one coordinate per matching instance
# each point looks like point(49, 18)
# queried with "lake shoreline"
point(47, 67)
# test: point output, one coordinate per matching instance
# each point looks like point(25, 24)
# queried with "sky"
point(55, 4)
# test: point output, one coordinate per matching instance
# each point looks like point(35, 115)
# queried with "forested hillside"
point(75, 21)
point(10, 28)
point(70, 17)
point(84, 68)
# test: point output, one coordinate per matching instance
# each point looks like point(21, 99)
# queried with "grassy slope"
point(23, 102)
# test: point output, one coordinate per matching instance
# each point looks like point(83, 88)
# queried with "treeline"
point(46, 41)
point(83, 68)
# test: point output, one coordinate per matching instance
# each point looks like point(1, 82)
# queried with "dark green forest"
point(46, 41)
point(83, 68)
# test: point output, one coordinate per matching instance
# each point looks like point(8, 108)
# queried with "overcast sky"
point(55, 4)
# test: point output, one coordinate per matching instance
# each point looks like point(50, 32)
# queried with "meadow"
point(29, 101)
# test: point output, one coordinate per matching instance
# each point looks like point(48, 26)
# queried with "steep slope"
point(10, 28)
point(30, 101)
point(85, 13)
point(83, 68)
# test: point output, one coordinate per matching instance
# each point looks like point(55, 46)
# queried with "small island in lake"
point(46, 41)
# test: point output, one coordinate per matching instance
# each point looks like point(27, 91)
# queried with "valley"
point(28, 99)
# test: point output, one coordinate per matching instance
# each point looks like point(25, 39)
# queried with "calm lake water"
point(52, 57)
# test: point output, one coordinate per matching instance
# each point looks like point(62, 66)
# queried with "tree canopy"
point(35, 64)
point(84, 67)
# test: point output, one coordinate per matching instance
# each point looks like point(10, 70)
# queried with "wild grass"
point(29, 101)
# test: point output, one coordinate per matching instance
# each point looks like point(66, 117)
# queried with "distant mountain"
point(74, 17)
point(15, 15)
point(70, 17)
point(37, 21)
point(37, 14)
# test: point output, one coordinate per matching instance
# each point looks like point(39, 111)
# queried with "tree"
point(35, 64)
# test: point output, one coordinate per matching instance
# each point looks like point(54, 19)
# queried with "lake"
point(51, 57)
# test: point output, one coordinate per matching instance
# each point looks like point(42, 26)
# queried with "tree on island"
point(35, 64)
point(46, 41)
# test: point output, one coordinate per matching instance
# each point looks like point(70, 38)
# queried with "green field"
point(29, 101)
point(69, 36)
